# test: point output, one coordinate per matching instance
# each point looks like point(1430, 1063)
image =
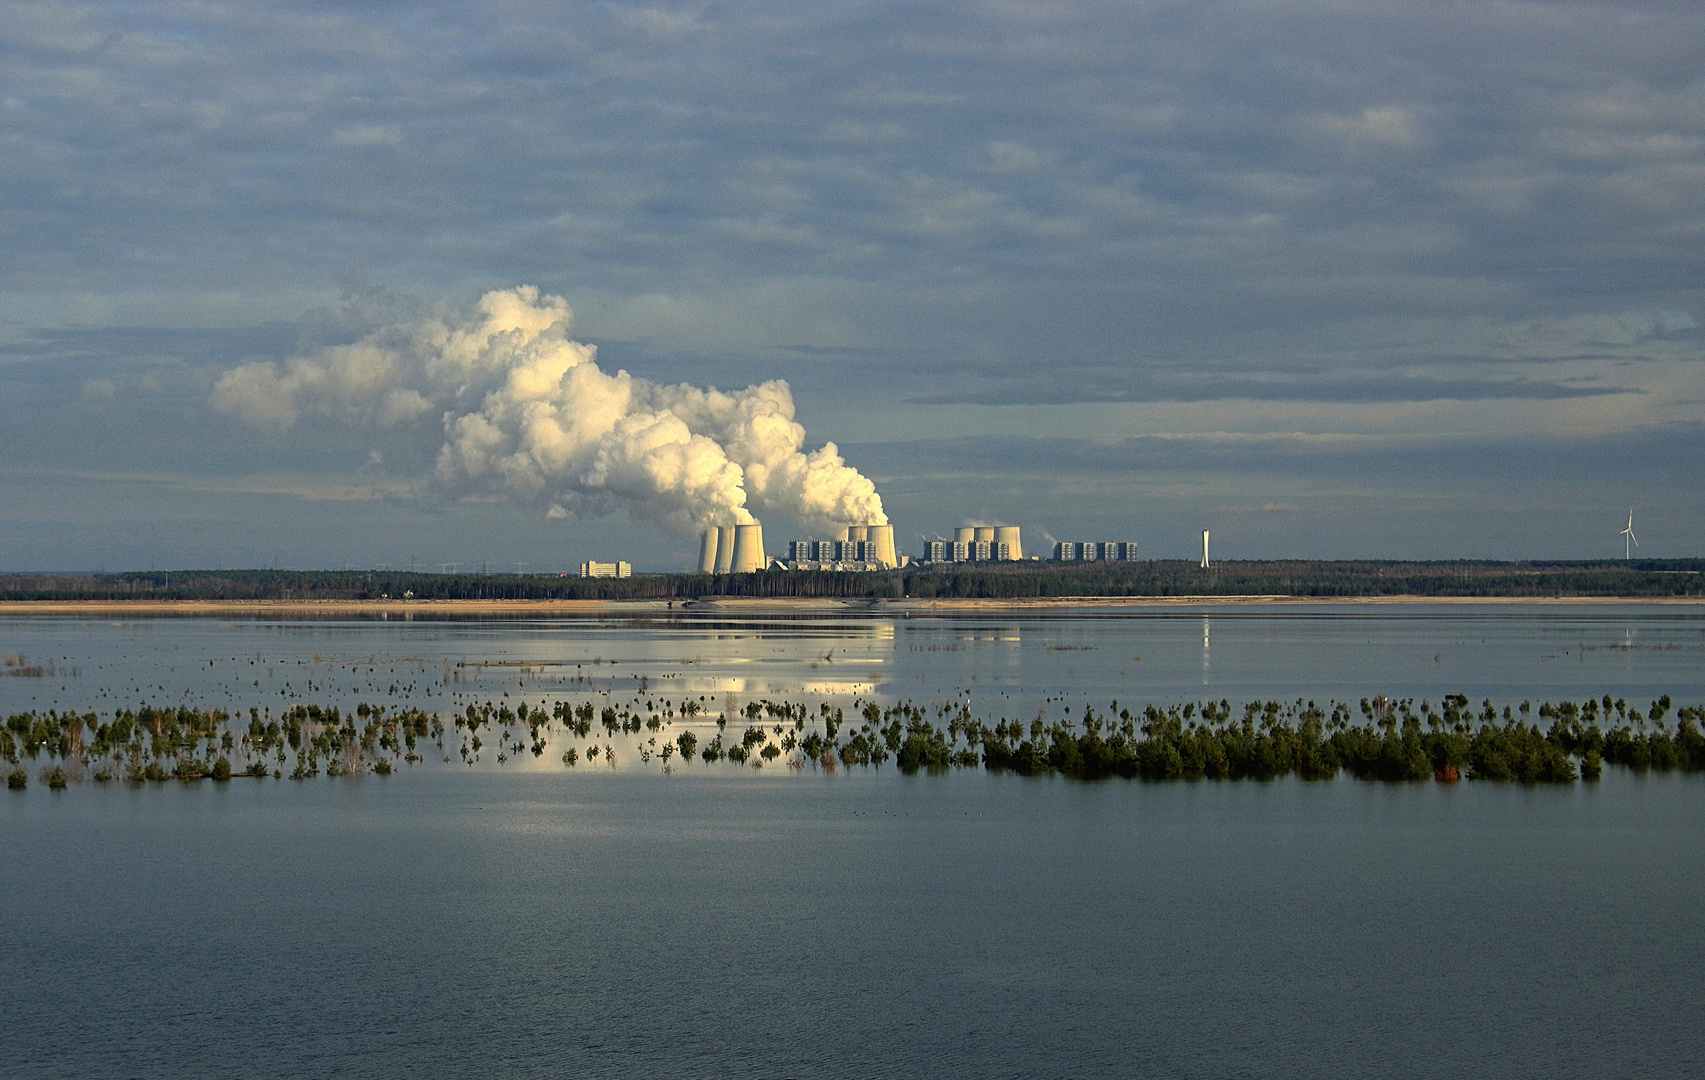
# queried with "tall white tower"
point(748, 553)
point(1205, 562)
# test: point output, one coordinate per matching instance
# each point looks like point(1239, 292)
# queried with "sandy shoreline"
point(774, 604)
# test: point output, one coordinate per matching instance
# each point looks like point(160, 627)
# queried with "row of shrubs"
point(1391, 740)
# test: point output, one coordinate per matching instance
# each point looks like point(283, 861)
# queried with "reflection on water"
point(1206, 664)
point(1004, 665)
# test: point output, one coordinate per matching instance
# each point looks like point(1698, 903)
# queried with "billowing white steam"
point(527, 411)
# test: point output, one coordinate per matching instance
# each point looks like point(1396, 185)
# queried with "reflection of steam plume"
point(528, 411)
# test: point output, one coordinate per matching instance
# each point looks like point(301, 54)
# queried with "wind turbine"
point(1629, 538)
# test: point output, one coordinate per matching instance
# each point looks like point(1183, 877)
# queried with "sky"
point(1332, 279)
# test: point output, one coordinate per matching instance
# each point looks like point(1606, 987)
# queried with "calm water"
point(1003, 666)
point(728, 921)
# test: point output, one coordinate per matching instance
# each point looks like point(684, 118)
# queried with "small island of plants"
point(1377, 739)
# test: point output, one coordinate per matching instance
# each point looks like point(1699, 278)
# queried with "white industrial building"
point(732, 549)
point(859, 547)
point(739, 549)
point(1095, 551)
point(606, 569)
point(977, 543)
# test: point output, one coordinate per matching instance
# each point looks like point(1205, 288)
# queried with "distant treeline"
point(1391, 741)
point(1162, 577)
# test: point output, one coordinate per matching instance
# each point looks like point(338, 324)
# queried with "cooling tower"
point(837, 533)
point(985, 534)
point(858, 532)
point(882, 539)
point(1008, 535)
point(748, 548)
point(964, 535)
point(724, 549)
point(707, 551)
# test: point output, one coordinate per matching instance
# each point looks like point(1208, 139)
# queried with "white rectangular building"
point(606, 569)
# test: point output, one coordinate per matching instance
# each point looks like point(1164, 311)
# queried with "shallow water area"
point(1002, 665)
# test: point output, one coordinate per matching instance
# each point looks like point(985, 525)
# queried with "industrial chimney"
point(724, 549)
point(748, 551)
point(882, 538)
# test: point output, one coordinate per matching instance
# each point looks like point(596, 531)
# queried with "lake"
point(536, 921)
point(1003, 665)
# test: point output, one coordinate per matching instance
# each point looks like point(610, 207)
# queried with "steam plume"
point(528, 412)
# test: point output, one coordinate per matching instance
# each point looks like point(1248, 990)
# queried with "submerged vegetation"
point(1376, 739)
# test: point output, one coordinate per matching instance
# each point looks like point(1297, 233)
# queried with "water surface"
point(767, 924)
point(541, 921)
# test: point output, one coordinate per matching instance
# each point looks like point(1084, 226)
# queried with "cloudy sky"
point(1334, 279)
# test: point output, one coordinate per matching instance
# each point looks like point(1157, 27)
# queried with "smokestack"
point(724, 549)
point(858, 532)
point(882, 536)
point(1008, 535)
point(748, 554)
point(707, 550)
point(984, 534)
point(965, 534)
point(1205, 562)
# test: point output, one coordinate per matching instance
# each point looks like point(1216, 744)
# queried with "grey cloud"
point(1058, 390)
point(196, 346)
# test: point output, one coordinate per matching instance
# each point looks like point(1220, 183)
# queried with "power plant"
point(977, 543)
point(732, 549)
point(1095, 551)
point(739, 549)
point(857, 547)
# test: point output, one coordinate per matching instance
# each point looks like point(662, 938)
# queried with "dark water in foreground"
point(862, 925)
